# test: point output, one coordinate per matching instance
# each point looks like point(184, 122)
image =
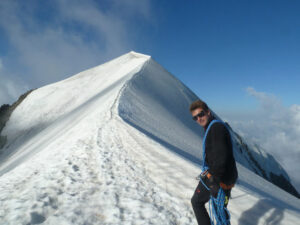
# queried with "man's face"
point(202, 116)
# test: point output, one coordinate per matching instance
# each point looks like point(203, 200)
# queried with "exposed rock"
point(5, 112)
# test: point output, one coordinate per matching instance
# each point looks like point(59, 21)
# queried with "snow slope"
point(116, 145)
point(156, 103)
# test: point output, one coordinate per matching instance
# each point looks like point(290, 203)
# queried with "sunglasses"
point(201, 114)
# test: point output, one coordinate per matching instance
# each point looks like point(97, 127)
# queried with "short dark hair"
point(199, 104)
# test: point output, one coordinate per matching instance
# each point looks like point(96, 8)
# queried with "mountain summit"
point(116, 144)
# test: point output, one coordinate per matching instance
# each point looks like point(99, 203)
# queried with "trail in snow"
point(96, 181)
point(83, 174)
point(137, 199)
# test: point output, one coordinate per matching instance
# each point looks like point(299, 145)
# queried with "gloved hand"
point(213, 184)
point(202, 176)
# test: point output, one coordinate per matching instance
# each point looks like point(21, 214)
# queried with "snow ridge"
point(116, 145)
point(156, 103)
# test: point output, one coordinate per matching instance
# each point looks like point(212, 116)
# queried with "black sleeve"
point(218, 148)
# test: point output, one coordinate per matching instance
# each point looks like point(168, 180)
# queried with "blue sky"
point(241, 57)
point(217, 48)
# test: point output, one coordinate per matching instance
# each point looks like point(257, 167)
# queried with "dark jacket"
point(219, 154)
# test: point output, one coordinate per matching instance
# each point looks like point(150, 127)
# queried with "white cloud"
point(49, 42)
point(267, 101)
point(10, 89)
point(133, 8)
point(275, 128)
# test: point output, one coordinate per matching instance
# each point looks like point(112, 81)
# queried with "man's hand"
point(213, 185)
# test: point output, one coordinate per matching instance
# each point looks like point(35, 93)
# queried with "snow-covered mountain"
point(154, 90)
point(116, 145)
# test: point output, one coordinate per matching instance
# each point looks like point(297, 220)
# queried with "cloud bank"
point(47, 41)
point(9, 87)
point(276, 129)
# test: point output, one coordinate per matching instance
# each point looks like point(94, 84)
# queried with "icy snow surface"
point(116, 145)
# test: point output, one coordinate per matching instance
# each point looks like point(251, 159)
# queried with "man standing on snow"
point(219, 169)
